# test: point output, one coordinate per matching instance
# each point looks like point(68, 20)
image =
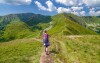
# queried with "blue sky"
point(50, 7)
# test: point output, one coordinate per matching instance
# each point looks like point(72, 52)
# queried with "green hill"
point(15, 26)
point(29, 18)
point(90, 22)
point(65, 26)
point(16, 29)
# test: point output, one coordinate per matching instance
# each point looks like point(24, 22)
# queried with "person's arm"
point(42, 37)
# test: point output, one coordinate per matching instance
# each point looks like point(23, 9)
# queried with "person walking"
point(46, 41)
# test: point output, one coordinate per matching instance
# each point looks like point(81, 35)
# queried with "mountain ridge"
point(63, 24)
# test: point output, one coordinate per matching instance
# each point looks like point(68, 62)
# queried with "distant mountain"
point(28, 18)
point(17, 22)
point(14, 25)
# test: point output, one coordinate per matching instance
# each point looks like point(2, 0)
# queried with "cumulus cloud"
point(62, 9)
point(16, 2)
point(67, 2)
point(94, 13)
point(92, 9)
point(40, 5)
point(98, 8)
point(76, 8)
point(69, 10)
point(72, 6)
point(82, 13)
point(75, 13)
point(94, 3)
point(50, 6)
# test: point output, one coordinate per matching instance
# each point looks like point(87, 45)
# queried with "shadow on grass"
point(54, 52)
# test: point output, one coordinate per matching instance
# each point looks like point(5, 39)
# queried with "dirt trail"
point(37, 39)
point(74, 36)
point(46, 58)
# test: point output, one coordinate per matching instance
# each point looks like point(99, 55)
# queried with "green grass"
point(82, 47)
point(20, 51)
point(76, 49)
point(65, 26)
point(16, 29)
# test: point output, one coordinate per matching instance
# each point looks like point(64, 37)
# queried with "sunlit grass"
point(76, 49)
point(20, 51)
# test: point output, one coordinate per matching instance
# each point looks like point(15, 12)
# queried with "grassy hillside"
point(93, 19)
point(64, 49)
point(90, 22)
point(76, 49)
point(20, 51)
point(16, 29)
point(16, 26)
point(70, 41)
point(93, 23)
point(63, 25)
point(77, 19)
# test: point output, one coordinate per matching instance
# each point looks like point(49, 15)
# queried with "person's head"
point(45, 31)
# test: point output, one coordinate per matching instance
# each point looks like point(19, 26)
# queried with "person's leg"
point(45, 48)
point(47, 51)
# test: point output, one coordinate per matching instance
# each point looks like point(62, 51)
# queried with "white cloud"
point(16, 2)
point(82, 13)
point(40, 5)
point(68, 10)
point(92, 9)
point(95, 3)
point(75, 13)
point(62, 9)
point(70, 2)
point(50, 5)
point(98, 8)
point(76, 8)
point(65, 2)
point(94, 13)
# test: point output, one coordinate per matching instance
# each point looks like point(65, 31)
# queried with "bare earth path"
point(46, 58)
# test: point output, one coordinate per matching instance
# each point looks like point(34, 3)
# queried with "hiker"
point(46, 41)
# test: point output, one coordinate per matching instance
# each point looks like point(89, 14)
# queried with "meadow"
point(20, 51)
point(76, 49)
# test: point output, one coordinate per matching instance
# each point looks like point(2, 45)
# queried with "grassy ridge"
point(20, 51)
point(90, 22)
point(76, 49)
point(65, 26)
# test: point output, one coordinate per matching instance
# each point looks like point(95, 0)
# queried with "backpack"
point(45, 40)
